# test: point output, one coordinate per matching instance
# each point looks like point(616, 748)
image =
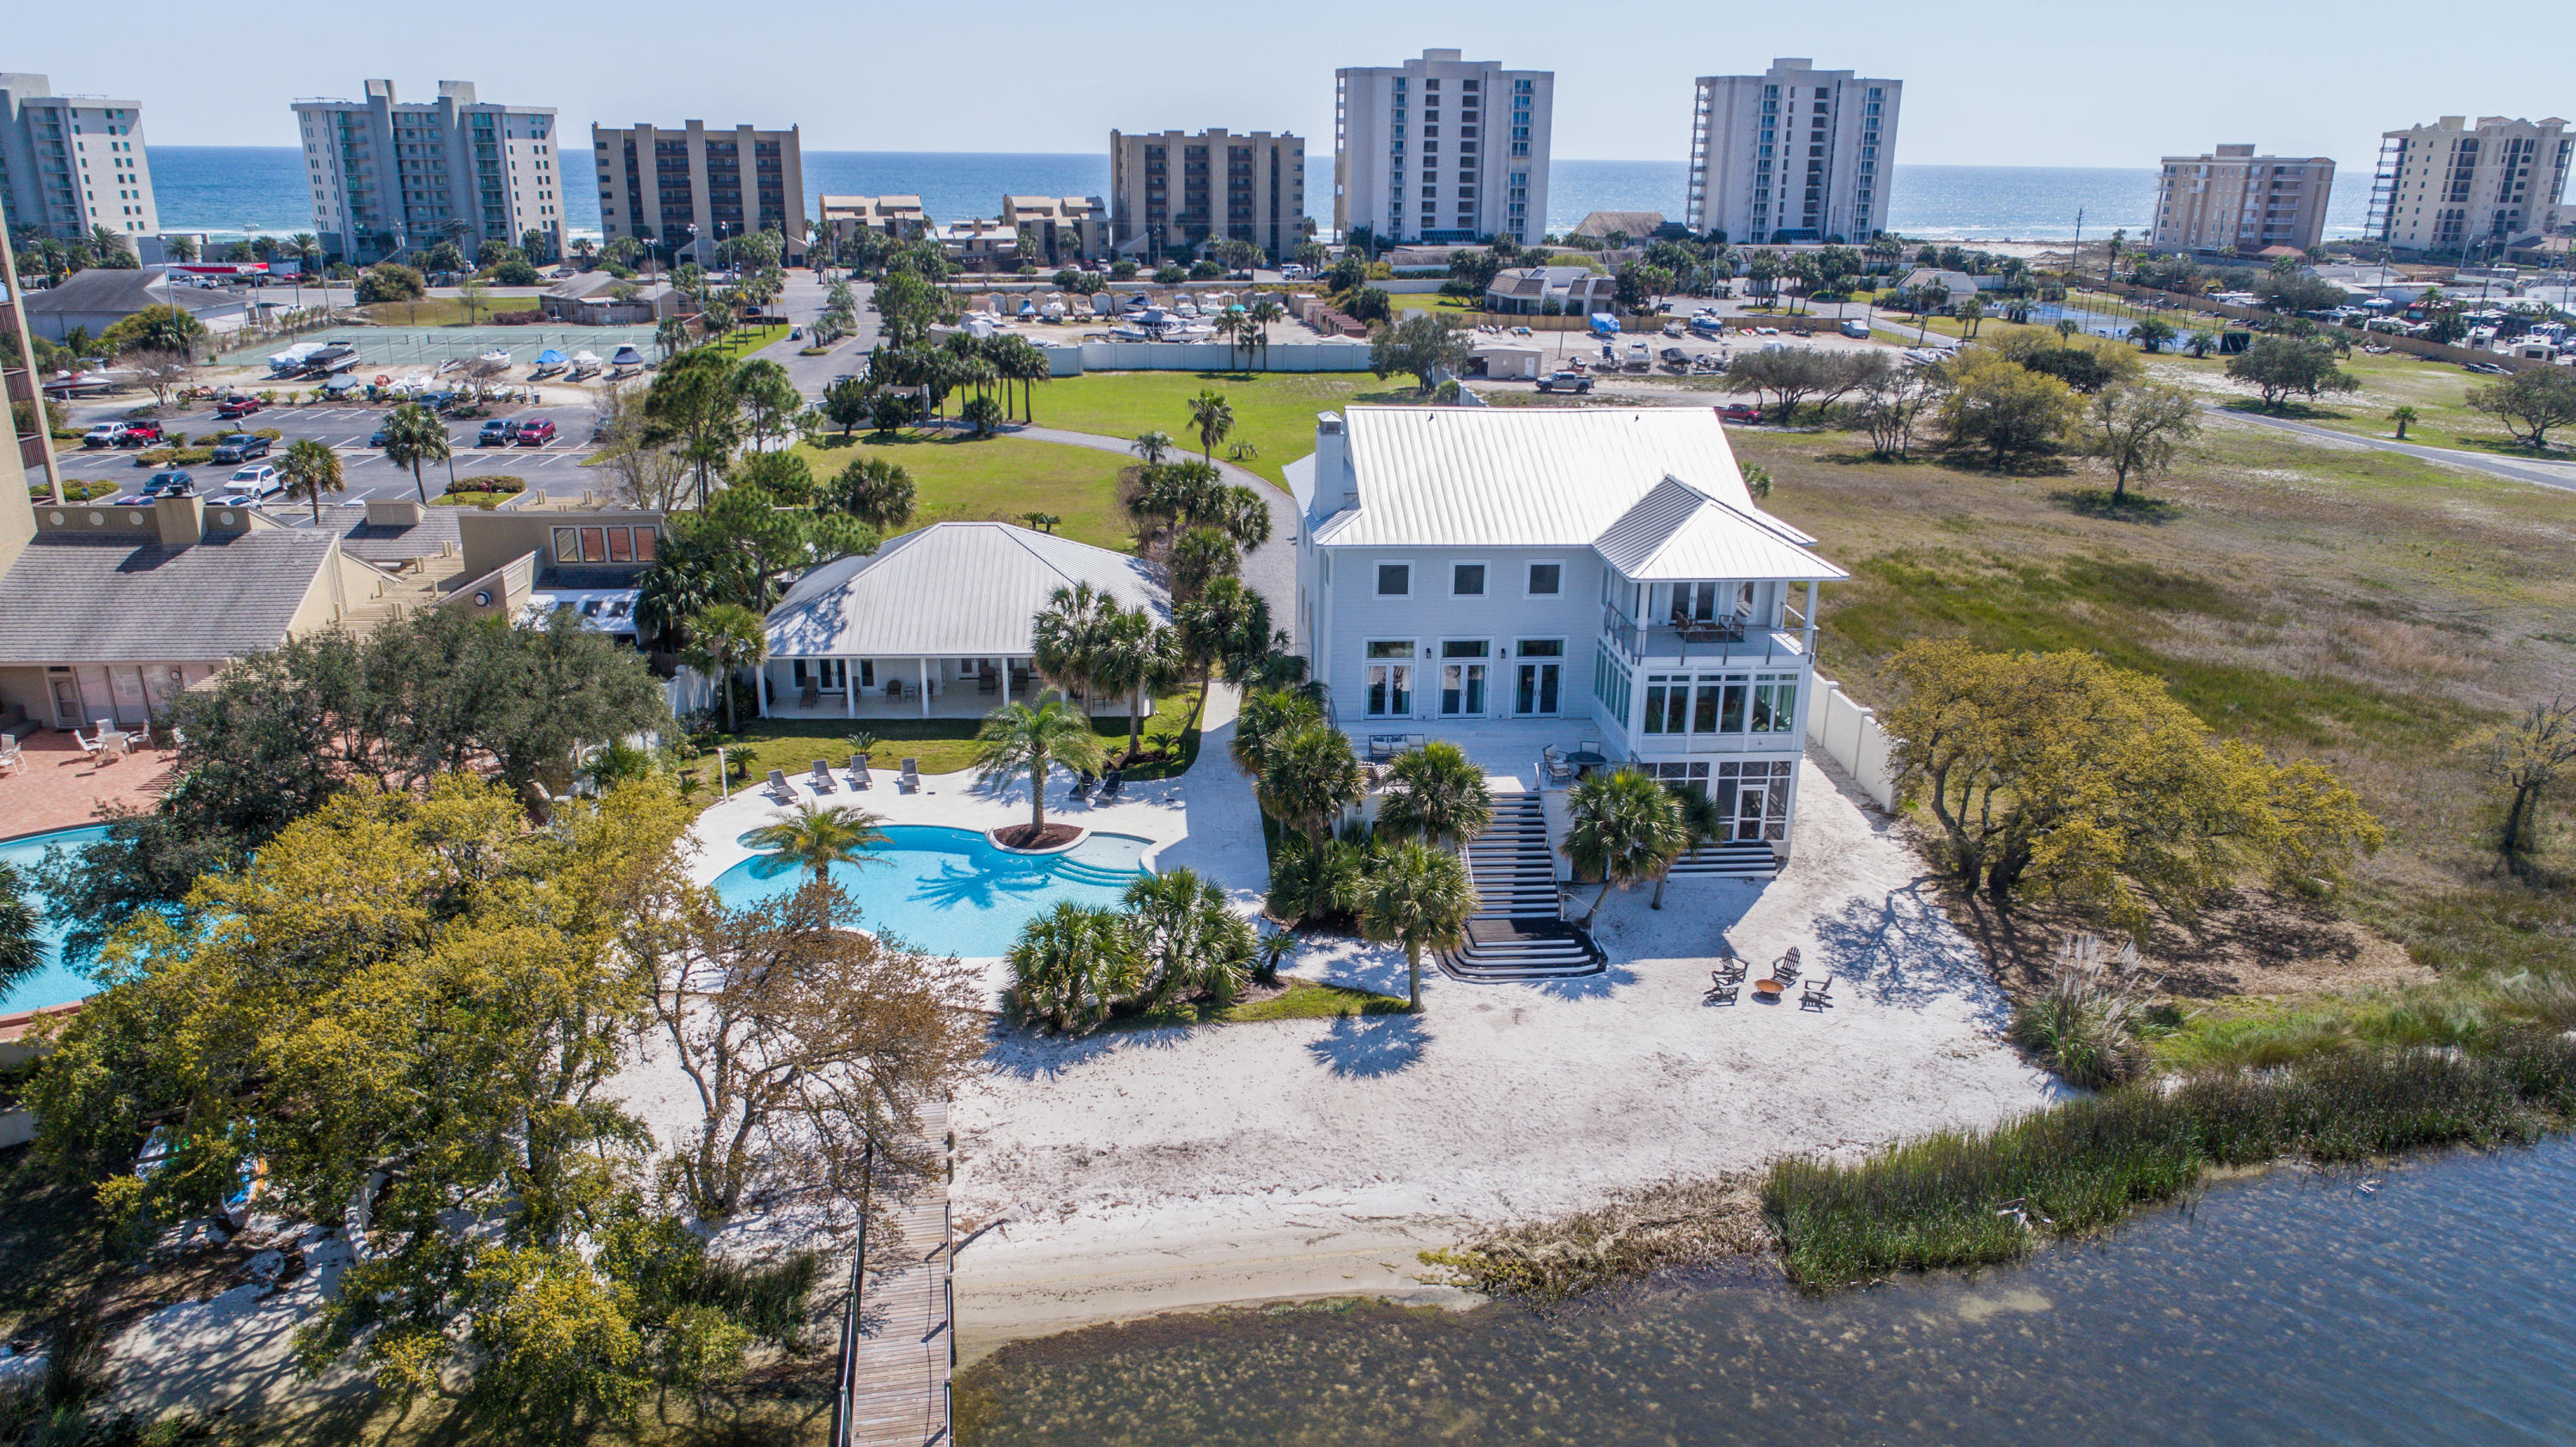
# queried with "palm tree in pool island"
point(1019, 738)
point(1419, 897)
point(815, 837)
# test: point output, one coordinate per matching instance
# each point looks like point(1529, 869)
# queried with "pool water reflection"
point(51, 985)
point(953, 890)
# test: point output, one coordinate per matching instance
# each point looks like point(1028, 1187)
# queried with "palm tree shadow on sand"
point(1368, 1046)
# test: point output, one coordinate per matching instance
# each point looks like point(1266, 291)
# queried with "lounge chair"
point(10, 757)
point(779, 789)
point(910, 782)
point(88, 744)
point(1817, 996)
point(1082, 782)
point(1110, 784)
point(858, 771)
point(822, 779)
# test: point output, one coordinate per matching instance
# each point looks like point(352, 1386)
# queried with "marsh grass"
point(1674, 1224)
point(1967, 1198)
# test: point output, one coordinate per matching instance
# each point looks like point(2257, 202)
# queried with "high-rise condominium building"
point(390, 175)
point(1793, 154)
point(1441, 149)
point(69, 163)
point(2233, 200)
point(1171, 192)
point(699, 186)
point(2448, 187)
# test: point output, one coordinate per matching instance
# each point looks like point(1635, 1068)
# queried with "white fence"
point(1076, 359)
point(1850, 735)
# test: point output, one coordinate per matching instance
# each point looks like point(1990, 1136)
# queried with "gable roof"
point(98, 598)
point(1638, 225)
point(967, 589)
point(1677, 531)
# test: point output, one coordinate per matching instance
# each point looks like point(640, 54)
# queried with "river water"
point(2292, 1307)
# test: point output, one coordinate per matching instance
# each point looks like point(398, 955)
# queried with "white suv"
point(259, 480)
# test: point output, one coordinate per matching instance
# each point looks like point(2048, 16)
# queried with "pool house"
point(937, 623)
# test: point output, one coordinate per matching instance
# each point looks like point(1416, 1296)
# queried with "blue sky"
point(2063, 84)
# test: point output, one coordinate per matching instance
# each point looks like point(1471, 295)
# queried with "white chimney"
point(1337, 485)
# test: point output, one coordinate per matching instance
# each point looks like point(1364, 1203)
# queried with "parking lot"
point(556, 468)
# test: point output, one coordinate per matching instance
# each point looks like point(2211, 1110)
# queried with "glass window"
point(645, 538)
point(621, 547)
point(1775, 703)
point(1546, 579)
point(1394, 580)
point(567, 545)
point(1467, 580)
point(1463, 648)
point(594, 545)
point(1391, 648)
point(1540, 647)
point(1666, 699)
point(1730, 711)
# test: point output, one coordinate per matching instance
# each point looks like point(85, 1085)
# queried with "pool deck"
point(1205, 820)
point(62, 787)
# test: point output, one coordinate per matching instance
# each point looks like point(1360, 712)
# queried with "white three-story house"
point(1607, 568)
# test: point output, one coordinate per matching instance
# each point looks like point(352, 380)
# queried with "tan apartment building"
point(390, 175)
point(688, 190)
point(897, 218)
point(2232, 200)
point(1066, 228)
point(1173, 192)
point(2451, 187)
point(69, 163)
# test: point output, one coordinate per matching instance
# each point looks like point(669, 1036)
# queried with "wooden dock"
point(904, 1344)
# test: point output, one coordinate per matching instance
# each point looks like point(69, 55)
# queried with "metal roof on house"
point(98, 598)
point(1677, 531)
point(1522, 477)
point(961, 589)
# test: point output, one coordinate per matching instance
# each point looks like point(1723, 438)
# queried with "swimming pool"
point(953, 890)
point(52, 985)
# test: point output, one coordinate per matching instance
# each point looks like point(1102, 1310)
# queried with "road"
point(2561, 476)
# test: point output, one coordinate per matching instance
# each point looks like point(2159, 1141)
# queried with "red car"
point(536, 432)
point(1739, 412)
point(237, 407)
point(140, 434)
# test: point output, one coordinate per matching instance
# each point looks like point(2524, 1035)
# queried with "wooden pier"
point(899, 1352)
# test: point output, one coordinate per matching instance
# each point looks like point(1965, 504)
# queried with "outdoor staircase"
point(1517, 932)
point(1728, 861)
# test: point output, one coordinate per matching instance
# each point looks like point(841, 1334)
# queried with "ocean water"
point(237, 191)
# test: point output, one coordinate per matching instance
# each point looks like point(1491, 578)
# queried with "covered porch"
point(907, 687)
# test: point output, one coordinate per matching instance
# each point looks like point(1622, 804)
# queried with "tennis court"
point(387, 347)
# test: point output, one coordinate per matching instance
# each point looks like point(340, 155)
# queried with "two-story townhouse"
point(1461, 567)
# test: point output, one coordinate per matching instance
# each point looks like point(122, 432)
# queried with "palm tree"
point(1267, 718)
point(2401, 417)
point(1016, 737)
point(1264, 311)
point(722, 638)
point(1418, 897)
point(1187, 937)
point(310, 469)
point(1072, 965)
point(670, 337)
point(875, 490)
point(1702, 821)
point(1152, 446)
point(22, 937)
point(818, 836)
point(1068, 638)
point(1136, 658)
point(1308, 779)
point(414, 435)
point(1625, 827)
point(1226, 621)
point(1212, 419)
point(1443, 798)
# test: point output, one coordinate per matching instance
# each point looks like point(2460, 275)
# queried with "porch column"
point(759, 688)
point(850, 687)
point(925, 686)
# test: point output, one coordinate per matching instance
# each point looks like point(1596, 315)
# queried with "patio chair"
point(1415, 741)
point(822, 779)
point(859, 771)
point(1110, 784)
point(1381, 747)
point(1588, 746)
point(1558, 771)
point(1726, 990)
point(811, 695)
point(1082, 782)
point(1786, 970)
point(10, 757)
point(1816, 996)
point(779, 789)
point(988, 682)
point(910, 781)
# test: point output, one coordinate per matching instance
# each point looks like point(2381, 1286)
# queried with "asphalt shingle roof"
point(98, 598)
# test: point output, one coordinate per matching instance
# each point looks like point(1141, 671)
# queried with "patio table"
point(1586, 761)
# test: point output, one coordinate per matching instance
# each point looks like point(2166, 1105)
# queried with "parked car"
point(235, 499)
point(499, 432)
point(232, 407)
point(536, 432)
point(105, 434)
point(1565, 382)
point(1739, 412)
point(139, 434)
point(241, 447)
point(259, 479)
point(1853, 327)
point(171, 482)
point(377, 438)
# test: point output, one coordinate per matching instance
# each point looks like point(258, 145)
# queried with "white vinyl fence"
point(1850, 735)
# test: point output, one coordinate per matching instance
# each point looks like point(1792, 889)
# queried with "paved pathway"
point(2544, 474)
point(1271, 569)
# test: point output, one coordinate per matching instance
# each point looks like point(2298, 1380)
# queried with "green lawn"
point(442, 311)
point(1298, 1000)
point(742, 342)
point(995, 478)
point(1273, 411)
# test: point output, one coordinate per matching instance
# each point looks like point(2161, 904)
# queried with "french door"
point(1536, 694)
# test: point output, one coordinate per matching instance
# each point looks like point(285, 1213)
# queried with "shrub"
point(390, 281)
point(2084, 1024)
